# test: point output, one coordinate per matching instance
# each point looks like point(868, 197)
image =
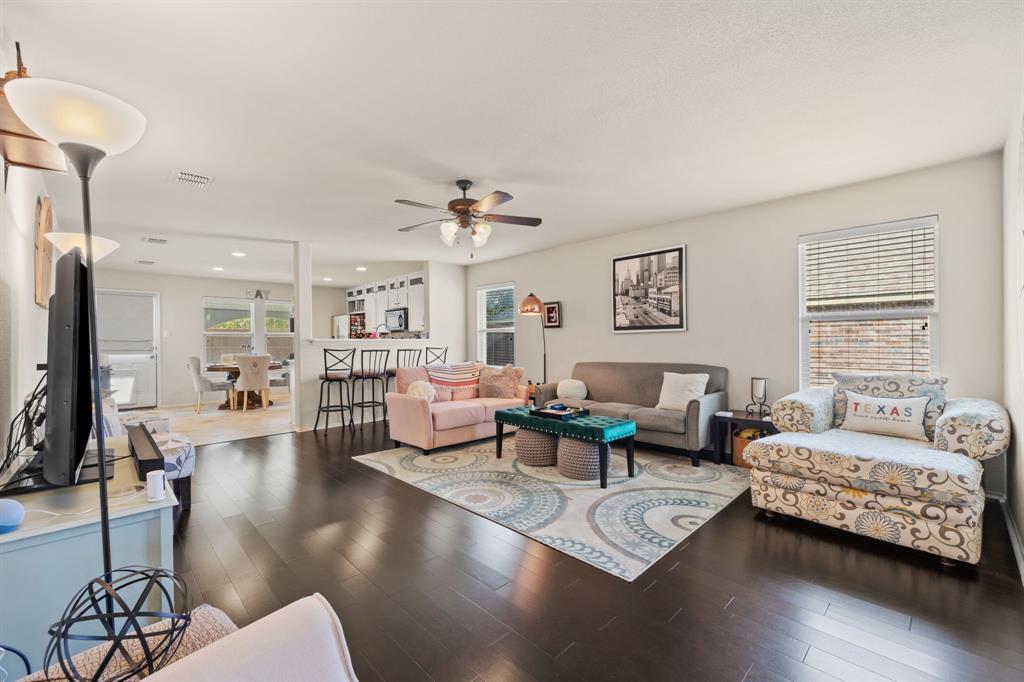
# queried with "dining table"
point(231, 369)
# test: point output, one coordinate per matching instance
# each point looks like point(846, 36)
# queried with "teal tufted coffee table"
point(592, 428)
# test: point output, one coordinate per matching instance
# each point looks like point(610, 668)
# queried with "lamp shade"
point(449, 229)
point(481, 232)
point(65, 241)
point(61, 112)
point(531, 305)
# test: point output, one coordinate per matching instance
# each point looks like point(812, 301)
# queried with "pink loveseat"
point(443, 422)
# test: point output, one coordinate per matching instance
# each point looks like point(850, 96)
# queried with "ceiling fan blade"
point(496, 198)
point(410, 228)
point(417, 204)
point(512, 220)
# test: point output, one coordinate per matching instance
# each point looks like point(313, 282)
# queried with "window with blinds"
point(868, 300)
point(496, 318)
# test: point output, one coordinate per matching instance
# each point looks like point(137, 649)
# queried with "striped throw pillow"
point(462, 381)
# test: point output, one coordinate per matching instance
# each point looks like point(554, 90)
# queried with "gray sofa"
point(630, 390)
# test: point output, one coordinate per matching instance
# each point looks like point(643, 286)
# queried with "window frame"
point(481, 318)
point(263, 323)
point(207, 333)
point(805, 318)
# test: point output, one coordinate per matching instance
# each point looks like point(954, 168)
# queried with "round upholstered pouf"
point(536, 449)
point(578, 459)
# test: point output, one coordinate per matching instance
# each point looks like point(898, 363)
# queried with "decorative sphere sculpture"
point(133, 611)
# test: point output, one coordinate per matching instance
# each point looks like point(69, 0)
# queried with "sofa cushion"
point(571, 388)
point(492, 404)
point(619, 410)
point(892, 386)
point(654, 419)
point(498, 382)
point(900, 417)
point(456, 413)
point(461, 380)
point(869, 462)
point(405, 376)
point(677, 390)
point(639, 383)
point(570, 402)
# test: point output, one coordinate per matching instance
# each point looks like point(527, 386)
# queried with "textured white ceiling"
point(598, 117)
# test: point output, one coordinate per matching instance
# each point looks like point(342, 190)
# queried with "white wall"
point(181, 317)
point(1013, 305)
point(446, 307)
point(742, 283)
point(327, 302)
point(23, 324)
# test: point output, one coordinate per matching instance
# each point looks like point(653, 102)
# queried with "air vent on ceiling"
point(193, 180)
point(160, 241)
point(145, 262)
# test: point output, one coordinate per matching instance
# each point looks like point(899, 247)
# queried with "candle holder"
point(759, 396)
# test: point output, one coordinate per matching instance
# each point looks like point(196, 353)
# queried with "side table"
point(723, 423)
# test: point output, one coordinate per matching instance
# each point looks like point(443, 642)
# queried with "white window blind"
point(868, 300)
point(496, 317)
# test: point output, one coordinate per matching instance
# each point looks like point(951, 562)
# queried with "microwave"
point(396, 319)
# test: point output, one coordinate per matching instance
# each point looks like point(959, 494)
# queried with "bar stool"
point(404, 357)
point(438, 355)
point(372, 368)
point(337, 370)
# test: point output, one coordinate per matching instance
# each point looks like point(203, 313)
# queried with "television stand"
point(30, 478)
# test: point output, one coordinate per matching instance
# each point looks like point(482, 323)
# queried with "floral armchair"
point(921, 494)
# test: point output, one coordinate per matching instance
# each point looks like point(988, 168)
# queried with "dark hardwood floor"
point(428, 591)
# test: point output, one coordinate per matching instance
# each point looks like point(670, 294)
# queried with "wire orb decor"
point(121, 613)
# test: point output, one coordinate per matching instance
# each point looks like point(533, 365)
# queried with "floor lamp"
point(531, 306)
point(87, 125)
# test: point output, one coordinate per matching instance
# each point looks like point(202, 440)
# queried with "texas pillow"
point(901, 417)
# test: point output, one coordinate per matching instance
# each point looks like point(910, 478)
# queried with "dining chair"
point(372, 368)
point(253, 375)
point(201, 383)
point(404, 357)
point(437, 355)
point(337, 370)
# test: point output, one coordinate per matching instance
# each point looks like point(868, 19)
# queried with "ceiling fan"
point(469, 214)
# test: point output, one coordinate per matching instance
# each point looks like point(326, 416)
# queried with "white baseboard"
point(1016, 540)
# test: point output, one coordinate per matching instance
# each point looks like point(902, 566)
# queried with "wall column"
point(302, 287)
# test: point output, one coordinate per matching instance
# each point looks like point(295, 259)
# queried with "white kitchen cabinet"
point(417, 302)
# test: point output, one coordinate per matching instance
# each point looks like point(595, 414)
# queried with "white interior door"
point(128, 325)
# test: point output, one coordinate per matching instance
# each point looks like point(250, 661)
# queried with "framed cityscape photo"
point(552, 314)
point(649, 291)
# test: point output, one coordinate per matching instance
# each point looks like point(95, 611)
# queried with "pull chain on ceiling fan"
point(469, 214)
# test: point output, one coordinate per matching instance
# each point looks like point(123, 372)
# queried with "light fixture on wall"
point(87, 125)
point(65, 241)
point(531, 306)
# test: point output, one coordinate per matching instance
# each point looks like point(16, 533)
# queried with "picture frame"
point(552, 314)
point(649, 291)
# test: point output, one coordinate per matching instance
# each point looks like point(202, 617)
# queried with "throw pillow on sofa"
point(498, 382)
point(900, 417)
point(460, 381)
point(572, 389)
point(678, 390)
point(422, 389)
point(891, 386)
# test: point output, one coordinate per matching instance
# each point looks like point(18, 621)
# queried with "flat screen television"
point(68, 393)
point(68, 421)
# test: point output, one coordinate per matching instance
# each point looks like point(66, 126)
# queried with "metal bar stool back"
point(338, 368)
point(437, 355)
point(373, 365)
point(404, 357)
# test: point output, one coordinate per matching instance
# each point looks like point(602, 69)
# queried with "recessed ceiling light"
point(327, 279)
point(238, 254)
point(361, 268)
point(218, 268)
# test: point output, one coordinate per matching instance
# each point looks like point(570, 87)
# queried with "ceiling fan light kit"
point(466, 213)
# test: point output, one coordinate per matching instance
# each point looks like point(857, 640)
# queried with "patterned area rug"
point(622, 529)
